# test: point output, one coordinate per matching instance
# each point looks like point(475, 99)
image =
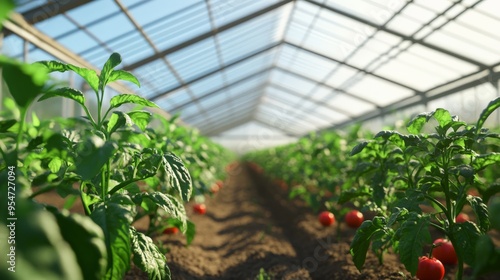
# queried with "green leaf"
point(362, 239)
point(41, 251)
point(190, 232)
point(25, 81)
point(115, 217)
point(121, 99)
point(481, 211)
point(67, 92)
point(413, 235)
point(492, 106)
point(482, 161)
point(6, 124)
point(35, 121)
point(178, 176)
point(171, 205)
point(417, 123)
point(464, 236)
point(114, 60)
point(489, 260)
point(7, 7)
point(148, 257)
point(358, 148)
point(55, 164)
point(124, 76)
point(86, 239)
point(89, 75)
point(140, 118)
point(442, 116)
point(117, 120)
point(91, 164)
point(490, 191)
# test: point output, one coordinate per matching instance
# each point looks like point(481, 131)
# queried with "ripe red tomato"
point(220, 184)
point(171, 230)
point(430, 269)
point(200, 208)
point(445, 252)
point(354, 218)
point(462, 218)
point(326, 218)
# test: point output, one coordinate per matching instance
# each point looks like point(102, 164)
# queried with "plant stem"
point(24, 112)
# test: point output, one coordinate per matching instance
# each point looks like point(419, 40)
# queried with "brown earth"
point(250, 225)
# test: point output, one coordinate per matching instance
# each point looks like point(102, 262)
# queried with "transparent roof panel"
point(289, 66)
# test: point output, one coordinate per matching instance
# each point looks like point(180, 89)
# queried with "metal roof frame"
point(212, 124)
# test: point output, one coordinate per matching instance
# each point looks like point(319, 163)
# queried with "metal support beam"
point(225, 112)
point(353, 67)
point(243, 97)
point(203, 76)
point(396, 33)
point(21, 28)
point(51, 9)
point(326, 85)
point(208, 34)
point(239, 81)
point(463, 83)
point(228, 127)
point(274, 126)
point(317, 102)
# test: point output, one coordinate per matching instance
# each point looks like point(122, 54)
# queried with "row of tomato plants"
point(409, 182)
point(122, 165)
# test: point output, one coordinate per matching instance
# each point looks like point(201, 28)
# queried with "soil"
point(251, 225)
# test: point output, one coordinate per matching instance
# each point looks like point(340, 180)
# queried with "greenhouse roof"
point(277, 70)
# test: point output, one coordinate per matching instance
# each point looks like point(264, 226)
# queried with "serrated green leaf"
point(123, 76)
point(148, 257)
point(140, 118)
point(35, 121)
point(442, 116)
point(115, 217)
point(417, 123)
point(465, 236)
point(55, 164)
point(396, 215)
point(121, 99)
point(114, 60)
point(171, 205)
point(361, 242)
point(481, 211)
point(190, 232)
point(118, 120)
point(178, 175)
point(492, 106)
point(413, 235)
point(482, 161)
point(66, 92)
point(6, 124)
point(87, 239)
point(89, 75)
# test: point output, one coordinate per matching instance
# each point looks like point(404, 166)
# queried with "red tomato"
point(326, 218)
point(462, 218)
point(282, 184)
point(354, 218)
point(219, 183)
point(445, 252)
point(430, 269)
point(473, 191)
point(200, 208)
point(171, 230)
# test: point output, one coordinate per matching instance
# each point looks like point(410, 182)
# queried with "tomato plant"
point(430, 269)
point(171, 230)
point(354, 218)
point(435, 169)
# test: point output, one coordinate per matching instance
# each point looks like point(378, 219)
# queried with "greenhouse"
point(250, 139)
